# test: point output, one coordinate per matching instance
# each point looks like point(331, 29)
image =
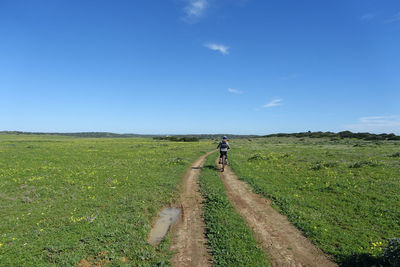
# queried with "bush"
point(391, 254)
point(340, 135)
point(269, 156)
point(363, 163)
point(256, 156)
point(178, 139)
point(322, 165)
point(395, 155)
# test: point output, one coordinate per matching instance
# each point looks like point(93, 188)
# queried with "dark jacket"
point(223, 146)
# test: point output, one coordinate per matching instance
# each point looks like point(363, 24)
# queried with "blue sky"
point(200, 66)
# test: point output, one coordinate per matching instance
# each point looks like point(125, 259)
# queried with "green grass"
point(343, 194)
point(230, 241)
point(65, 199)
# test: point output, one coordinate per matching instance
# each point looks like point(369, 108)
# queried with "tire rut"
point(283, 243)
point(188, 235)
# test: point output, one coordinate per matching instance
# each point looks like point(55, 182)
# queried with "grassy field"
point(67, 200)
point(231, 242)
point(343, 194)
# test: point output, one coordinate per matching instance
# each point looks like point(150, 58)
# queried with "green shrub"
point(391, 254)
point(395, 155)
point(256, 156)
point(363, 163)
point(178, 138)
point(320, 165)
point(269, 156)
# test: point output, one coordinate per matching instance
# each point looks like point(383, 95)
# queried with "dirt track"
point(188, 240)
point(282, 242)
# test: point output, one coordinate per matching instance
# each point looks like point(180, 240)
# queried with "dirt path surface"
point(188, 238)
point(282, 242)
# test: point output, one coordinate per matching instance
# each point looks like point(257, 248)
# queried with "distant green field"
point(65, 199)
point(344, 194)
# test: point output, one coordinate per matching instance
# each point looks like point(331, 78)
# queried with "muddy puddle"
point(166, 217)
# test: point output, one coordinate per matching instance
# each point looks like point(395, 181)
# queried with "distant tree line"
point(196, 137)
point(177, 138)
point(79, 134)
point(115, 135)
point(341, 135)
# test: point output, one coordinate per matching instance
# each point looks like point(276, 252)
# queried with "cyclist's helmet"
point(224, 138)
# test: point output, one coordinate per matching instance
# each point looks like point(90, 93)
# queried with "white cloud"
point(273, 103)
point(367, 16)
point(235, 91)
point(195, 8)
point(218, 47)
point(376, 124)
point(394, 18)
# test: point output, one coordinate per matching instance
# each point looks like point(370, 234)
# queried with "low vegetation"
point(343, 194)
point(178, 138)
point(339, 135)
point(68, 200)
point(230, 241)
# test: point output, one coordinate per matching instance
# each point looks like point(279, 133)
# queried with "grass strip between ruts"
point(231, 242)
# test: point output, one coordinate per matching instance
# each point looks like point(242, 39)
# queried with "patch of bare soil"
point(282, 242)
point(188, 238)
point(99, 261)
point(84, 263)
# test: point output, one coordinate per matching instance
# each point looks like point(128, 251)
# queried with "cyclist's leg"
point(220, 157)
point(224, 153)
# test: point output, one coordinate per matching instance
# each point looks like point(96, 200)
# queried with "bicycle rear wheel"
point(223, 163)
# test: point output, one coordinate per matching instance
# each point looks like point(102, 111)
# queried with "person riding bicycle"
point(223, 149)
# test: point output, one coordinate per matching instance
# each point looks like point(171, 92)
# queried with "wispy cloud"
point(235, 91)
point(273, 103)
point(195, 8)
point(394, 18)
point(218, 47)
point(376, 124)
point(368, 16)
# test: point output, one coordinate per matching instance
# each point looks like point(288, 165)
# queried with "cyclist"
point(223, 149)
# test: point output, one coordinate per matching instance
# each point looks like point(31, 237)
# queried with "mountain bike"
point(223, 163)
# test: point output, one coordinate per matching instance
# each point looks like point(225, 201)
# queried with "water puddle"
point(166, 217)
